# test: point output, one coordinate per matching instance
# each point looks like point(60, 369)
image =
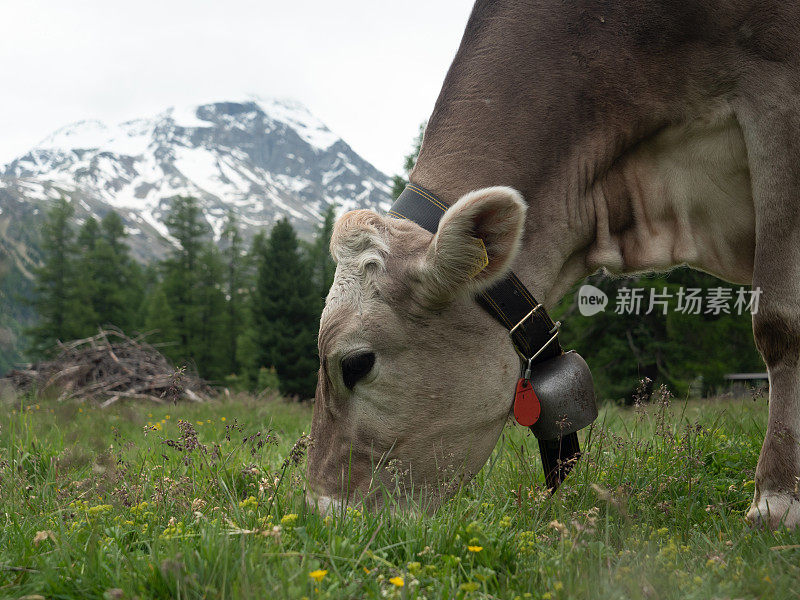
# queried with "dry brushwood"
point(108, 367)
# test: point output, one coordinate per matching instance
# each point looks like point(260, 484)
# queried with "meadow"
point(206, 501)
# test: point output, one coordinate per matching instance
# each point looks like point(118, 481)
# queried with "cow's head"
point(416, 380)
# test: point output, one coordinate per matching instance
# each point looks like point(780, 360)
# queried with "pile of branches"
point(108, 367)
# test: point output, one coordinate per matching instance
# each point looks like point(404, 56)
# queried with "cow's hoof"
point(774, 511)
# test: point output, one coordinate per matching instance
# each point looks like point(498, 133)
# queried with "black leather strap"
point(508, 301)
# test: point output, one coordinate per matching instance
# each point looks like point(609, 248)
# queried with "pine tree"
point(246, 344)
point(86, 289)
point(399, 182)
point(324, 265)
point(209, 349)
point(160, 322)
point(234, 286)
point(119, 274)
point(55, 300)
point(285, 312)
point(111, 284)
point(181, 274)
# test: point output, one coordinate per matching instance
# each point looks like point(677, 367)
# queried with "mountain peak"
point(263, 158)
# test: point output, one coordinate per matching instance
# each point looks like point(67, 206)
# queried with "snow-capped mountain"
point(262, 158)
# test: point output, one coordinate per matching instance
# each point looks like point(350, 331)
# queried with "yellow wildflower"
point(100, 509)
point(397, 581)
point(474, 548)
point(318, 575)
point(248, 503)
point(289, 520)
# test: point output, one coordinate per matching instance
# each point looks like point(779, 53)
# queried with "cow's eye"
point(356, 366)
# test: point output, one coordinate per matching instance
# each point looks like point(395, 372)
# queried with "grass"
point(127, 502)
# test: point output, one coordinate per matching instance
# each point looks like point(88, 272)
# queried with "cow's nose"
point(324, 504)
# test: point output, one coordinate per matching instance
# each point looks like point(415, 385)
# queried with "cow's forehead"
point(367, 247)
point(371, 252)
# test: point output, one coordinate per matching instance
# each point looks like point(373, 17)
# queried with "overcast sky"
point(370, 69)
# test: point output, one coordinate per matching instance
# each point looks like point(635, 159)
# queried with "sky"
point(370, 69)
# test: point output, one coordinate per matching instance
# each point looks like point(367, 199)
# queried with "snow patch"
point(298, 117)
point(186, 116)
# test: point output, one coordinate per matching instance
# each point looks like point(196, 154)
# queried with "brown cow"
point(641, 135)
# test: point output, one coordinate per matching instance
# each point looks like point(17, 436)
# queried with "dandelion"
point(318, 575)
point(397, 581)
point(475, 549)
point(222, 419)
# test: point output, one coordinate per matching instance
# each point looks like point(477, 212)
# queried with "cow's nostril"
point(356, 366)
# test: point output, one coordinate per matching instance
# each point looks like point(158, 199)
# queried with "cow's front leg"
point(777, 493)
point(772, 132)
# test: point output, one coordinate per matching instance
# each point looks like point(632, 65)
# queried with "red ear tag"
point(526, 403)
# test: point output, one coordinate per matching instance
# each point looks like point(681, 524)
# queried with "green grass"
point(94, 506)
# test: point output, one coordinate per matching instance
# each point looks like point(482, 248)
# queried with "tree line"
point(243, 316)
point(248, 317)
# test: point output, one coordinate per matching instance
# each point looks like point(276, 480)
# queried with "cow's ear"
point(478, 239)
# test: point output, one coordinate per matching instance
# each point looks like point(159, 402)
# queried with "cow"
point(568, 136)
